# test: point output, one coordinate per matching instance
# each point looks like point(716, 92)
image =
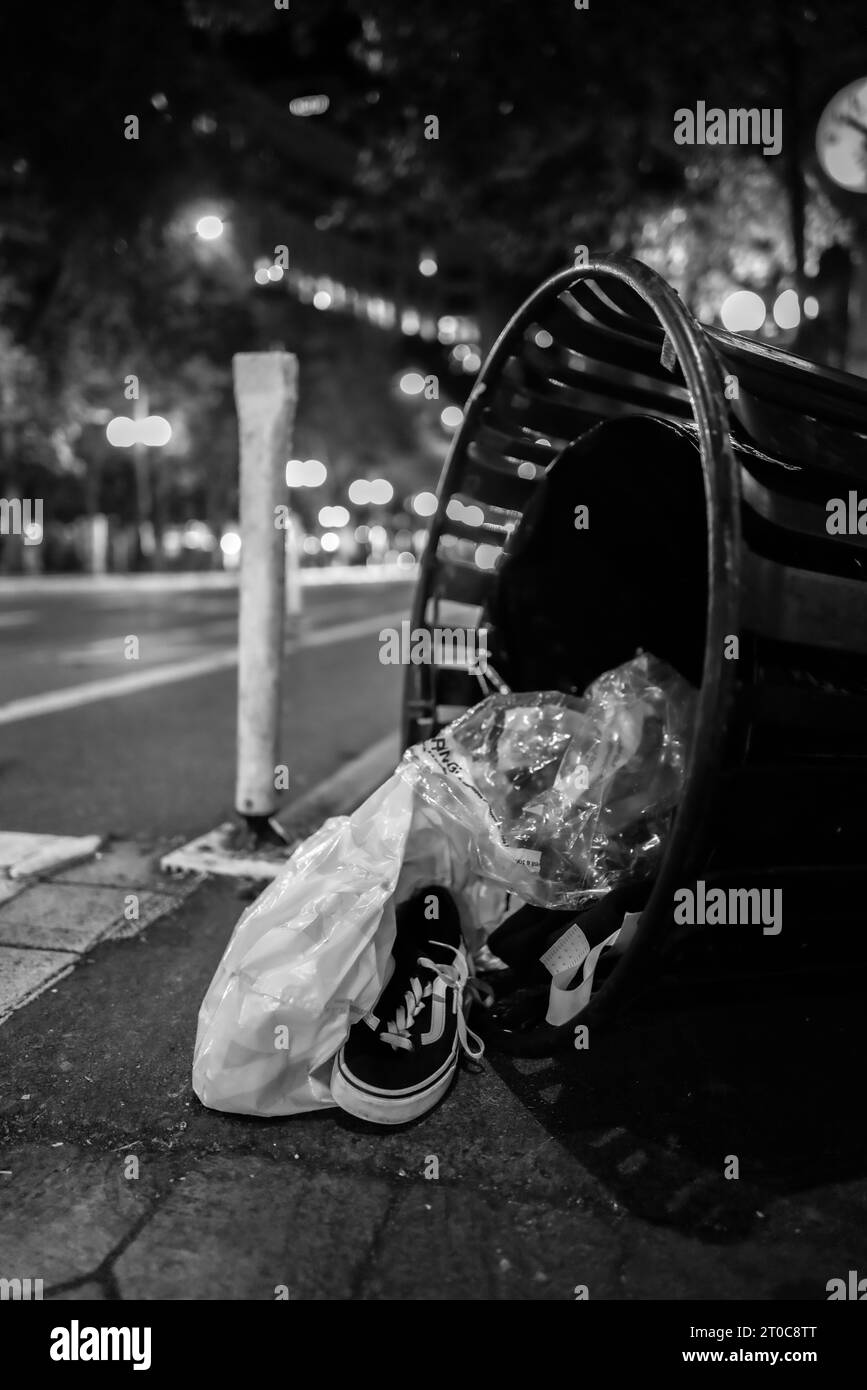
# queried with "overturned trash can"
point(641, 482)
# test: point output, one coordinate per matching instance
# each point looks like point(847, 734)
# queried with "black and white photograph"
point(433, 675)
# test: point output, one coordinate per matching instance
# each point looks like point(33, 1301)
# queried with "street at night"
point(433, 678)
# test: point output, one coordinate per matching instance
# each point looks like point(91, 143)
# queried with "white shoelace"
point(457, 976)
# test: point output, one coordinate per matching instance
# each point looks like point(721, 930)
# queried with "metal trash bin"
point(775, 790)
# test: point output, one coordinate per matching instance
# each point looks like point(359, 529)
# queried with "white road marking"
point(116, 687)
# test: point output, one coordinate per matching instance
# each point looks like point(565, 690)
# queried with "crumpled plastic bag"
point(305, 960)
point(560, 797)
point(538, 796)
point(308, 958)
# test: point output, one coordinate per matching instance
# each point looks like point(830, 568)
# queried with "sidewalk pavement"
point(601, 1171)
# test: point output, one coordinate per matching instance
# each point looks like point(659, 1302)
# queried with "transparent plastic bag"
point(561, 797)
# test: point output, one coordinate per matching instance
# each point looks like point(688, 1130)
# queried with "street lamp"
point(209, 227)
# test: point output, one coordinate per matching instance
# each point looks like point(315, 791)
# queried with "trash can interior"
point(609, 558)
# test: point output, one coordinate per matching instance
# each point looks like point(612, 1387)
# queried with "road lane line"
point(115, 687)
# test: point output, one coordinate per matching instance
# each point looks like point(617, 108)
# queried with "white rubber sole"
point(388, 1110)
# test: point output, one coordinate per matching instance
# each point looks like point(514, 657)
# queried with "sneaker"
point(402, 1057)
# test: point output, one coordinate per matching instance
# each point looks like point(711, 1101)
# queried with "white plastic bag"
point(309, 957)
point(305, 961)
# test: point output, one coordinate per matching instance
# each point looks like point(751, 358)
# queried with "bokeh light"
point(333, 517)
point(154, 431)
point(359, 492)
point(122, 432)
point(787, 310)
point(305, 473)
point(487, 556)
point(381, 492)
point(743, 312)
point(209, 228)
point(411, 383)
point(424, 504)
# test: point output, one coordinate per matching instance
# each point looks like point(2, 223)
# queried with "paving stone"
point(241, 1228)
point(124, 863)
point(446, 1242)
point(151, 906)
point(24, 974)
point(10, 888)
point(57, 916)
point(81, 1293)
point(482, 1134)
point(78, 1206)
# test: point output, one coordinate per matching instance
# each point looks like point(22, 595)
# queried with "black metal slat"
point(460, 582)
point(578, 335)
point(641, 394)
point(601, 311)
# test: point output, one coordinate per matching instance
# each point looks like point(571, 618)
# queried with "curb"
point(218, 852)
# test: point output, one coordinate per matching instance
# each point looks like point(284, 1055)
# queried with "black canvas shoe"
point(401, 1058)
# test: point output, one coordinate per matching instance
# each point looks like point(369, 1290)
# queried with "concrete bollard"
point(265, 397)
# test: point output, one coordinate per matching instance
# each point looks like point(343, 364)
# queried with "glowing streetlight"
point(230, 543)
point(427, 266)
point(451, 416)
point(209, 228)
point(330, 542)
point(811, 307)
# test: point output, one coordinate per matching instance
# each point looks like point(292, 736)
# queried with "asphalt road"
point(158, 762)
